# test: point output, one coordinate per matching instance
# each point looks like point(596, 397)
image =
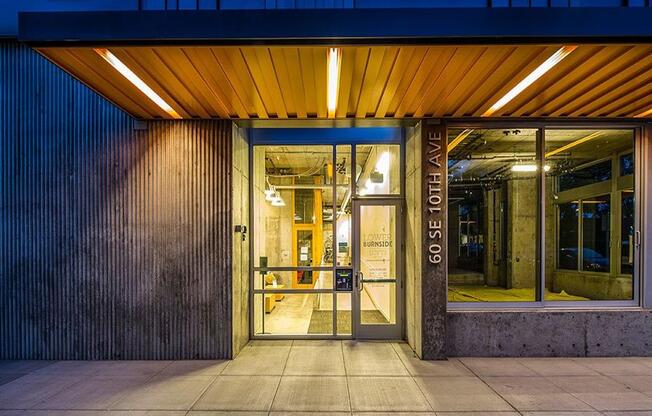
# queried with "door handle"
point(360, 276)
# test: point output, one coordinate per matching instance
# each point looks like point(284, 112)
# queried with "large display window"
point(542, 216)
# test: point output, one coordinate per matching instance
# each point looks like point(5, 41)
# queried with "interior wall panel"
point(115, 234)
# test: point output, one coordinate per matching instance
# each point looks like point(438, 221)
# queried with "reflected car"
point(591, 259)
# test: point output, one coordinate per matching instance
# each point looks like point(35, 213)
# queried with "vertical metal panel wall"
point(115, 235)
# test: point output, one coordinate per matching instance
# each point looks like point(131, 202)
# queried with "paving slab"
point(386, 394)
point(372, 359)
point(556, 367)
point(93, 393)
point(417, 367)
point(195, 368)
point(259, 361)
point(165, 393)
point(29, 390)
point(461, 394)
point(312, 394)
point(321, 360)
point(496, 367)
point(535, 394)
point(239, 393)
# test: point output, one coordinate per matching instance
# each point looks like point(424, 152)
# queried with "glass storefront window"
point(293, 197)
point(589, 185)
point(492, 206)
point(589, 215)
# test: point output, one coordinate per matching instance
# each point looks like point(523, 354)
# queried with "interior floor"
point(297, 314)
point(464, 293)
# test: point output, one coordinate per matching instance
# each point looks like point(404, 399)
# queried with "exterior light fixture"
point(575, 143)
point(647, 113)
point(136, 81)
point(528, 168)
point(334, 65)
point(546, 66)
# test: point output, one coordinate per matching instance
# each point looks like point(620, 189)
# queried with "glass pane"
point(344, 224)
point(627, 164)
point(595, 234)
point(568, 236)
point(627, 232)
point(343, 164)
point(344, 315)
point(492, 206)
point(378, 264)
point(287, 280)
point(589, 214)
point(293, 198)
point(296, 314)
point(378, 169)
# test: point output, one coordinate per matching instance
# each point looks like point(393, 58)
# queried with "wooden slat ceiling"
point(375, 82)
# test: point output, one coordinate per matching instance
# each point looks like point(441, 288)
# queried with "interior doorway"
point(326, 250)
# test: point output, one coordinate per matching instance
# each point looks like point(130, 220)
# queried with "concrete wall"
point(240, 215)
point(568, 333)
point(413, 238)
point(115, 235)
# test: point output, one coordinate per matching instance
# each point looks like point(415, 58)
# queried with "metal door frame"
point(378, 331)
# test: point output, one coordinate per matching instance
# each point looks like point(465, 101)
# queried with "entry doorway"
point(377, 265)
point(325, 227)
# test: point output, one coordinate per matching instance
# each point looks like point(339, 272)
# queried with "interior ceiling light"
point(528, 168)
point(457, 140)
point(554, 59)
point(136, 81)
point(647, 113)
point(575, 143)
point(334, 65)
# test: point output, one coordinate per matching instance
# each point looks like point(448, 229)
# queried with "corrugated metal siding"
point(115, 242)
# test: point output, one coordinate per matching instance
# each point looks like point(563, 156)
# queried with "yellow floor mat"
point(497, 294)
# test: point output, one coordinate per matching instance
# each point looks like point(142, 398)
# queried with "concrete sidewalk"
point(279, 377)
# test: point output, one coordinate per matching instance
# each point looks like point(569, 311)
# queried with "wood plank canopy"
point(283, 82)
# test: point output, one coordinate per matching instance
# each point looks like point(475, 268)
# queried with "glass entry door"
point(377, 269)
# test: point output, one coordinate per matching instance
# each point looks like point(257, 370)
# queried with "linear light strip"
point(334, 66)
point(575, 143)
point(457, 140)
point(644, 114)
point(136, 81)
point(548, 64)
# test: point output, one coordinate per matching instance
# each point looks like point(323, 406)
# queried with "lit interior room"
point(493, 215)
point(303, 221)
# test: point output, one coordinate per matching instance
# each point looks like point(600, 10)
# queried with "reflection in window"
point(598, 172)
point(627, 164)
point(627, 233)
point(568, 236)
point(596, 234)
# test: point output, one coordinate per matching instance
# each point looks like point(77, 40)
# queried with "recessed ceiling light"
point(334, 64)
